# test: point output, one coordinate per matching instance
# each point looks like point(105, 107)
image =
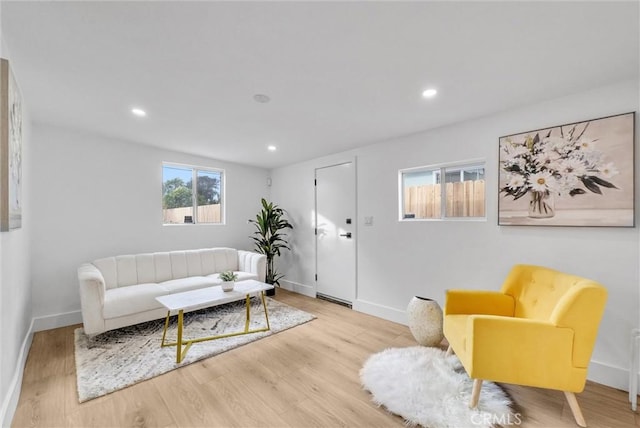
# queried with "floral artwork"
point(579, 174)
point(11, 150)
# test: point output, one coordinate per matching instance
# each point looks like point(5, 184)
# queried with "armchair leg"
point(475, 394)
point(449, 351)
point(575, 408)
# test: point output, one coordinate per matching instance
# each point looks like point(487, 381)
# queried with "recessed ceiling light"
point(271, 148)
point(261, 98)
point(429, 93)
point(138, 112)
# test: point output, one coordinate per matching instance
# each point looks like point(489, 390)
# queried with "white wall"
point(15, 283)
point(399, 260)
point(96, 197)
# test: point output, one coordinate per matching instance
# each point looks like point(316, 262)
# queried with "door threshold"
point(333, 300)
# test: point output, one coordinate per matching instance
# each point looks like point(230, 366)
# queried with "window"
point(422, 196)
point(181, 205)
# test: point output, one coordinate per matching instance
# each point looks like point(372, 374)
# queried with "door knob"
point(347, 235)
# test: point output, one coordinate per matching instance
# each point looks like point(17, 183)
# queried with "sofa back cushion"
point(122, 271)
point(537, 290)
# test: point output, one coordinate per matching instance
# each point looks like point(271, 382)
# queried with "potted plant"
point(269, 239)
point(228, 280)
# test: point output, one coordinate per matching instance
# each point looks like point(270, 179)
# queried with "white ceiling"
point(340, 74)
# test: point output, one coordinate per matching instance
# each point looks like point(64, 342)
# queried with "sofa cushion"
point(178, 264)
point(194, 262)
point(107, 267)
point(186, 284)
point(122, 271)
point(127, 270)
point(162, 265)
point(123, 301)
point(215, 260)
point(146, 268)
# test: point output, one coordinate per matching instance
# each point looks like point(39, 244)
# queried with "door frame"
point(354, 162)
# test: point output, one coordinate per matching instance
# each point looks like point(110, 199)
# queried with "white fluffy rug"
point(427, 388)
point(119, 358)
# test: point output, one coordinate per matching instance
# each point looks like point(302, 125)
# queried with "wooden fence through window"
point(463, 199)
point(206, 214)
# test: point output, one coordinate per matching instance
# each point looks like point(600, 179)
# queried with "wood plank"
point(469, 201)
point(478, 198)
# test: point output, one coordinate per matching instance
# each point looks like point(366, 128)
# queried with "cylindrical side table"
point(425, 321)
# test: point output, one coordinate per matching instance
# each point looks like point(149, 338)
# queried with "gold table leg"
point(266, 313)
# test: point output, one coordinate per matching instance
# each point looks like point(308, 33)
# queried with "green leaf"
point(536, 139)
point(602, 182)
point(590, 184)
point(521, 192)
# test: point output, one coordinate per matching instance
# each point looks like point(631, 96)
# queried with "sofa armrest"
point(251, 262)
point(467, 302)
point(92, 291)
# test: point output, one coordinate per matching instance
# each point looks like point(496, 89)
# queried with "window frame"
point(195, 169)
point(441, 169)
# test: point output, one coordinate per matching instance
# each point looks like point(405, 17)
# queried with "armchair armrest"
point(471, 302)
point(251, 262)
point(506, 349)
point(92, 290)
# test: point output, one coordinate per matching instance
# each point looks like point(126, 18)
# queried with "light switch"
point(368, 221)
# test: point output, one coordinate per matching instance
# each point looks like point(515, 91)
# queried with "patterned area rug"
point(432, 390)
point(119, 358)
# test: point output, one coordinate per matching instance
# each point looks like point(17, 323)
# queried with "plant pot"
point(425, 321)
point(228, 285)
point(271, 292)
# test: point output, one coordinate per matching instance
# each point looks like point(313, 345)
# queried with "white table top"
point(211, 296)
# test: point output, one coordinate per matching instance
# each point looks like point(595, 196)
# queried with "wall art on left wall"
point(10, 150)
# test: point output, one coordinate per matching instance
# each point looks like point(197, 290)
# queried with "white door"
point(336, 232)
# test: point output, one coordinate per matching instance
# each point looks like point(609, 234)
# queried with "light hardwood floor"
point(303, 377)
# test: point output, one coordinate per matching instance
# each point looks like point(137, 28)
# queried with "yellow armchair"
point(538, 330)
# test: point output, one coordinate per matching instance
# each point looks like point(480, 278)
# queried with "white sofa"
point(121, 291)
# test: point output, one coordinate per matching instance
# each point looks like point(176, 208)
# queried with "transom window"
point(422, 195)
point(182, 205)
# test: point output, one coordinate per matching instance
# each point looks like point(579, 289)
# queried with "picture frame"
point(577, 174)
point(10, 150)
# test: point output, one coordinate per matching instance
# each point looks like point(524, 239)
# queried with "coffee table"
point(206, 298)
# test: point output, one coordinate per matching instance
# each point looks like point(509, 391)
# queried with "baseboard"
point(615, 377)
point(10, 402)
point(381, 311)
point(304, 289)
point(57, 320)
